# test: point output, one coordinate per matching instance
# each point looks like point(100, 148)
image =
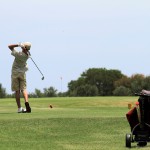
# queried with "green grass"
point(87, 123)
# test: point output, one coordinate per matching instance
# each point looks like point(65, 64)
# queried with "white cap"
point(27, 45)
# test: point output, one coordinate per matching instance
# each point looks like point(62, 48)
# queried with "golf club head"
point(43, 78)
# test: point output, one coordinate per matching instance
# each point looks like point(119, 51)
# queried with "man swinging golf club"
point(18, 75)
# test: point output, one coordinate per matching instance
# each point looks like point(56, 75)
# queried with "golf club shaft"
point(37, 66)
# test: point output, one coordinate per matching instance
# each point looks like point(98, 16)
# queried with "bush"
point(122, 91)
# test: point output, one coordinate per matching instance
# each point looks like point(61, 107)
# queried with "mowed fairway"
point(87, 123)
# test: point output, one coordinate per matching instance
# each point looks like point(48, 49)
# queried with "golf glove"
point(20, 44)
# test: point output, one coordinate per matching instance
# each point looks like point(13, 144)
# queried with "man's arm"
point(12, 46)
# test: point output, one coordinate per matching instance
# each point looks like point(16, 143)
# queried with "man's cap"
point(27, 45)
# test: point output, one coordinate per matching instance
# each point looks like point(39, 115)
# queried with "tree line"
point(96, 82)
point(103, 82)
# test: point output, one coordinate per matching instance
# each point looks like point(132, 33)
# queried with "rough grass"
point(87, 123)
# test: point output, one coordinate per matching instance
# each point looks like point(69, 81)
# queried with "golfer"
point(18, 75)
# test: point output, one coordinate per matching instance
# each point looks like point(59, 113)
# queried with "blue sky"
point(71, 36)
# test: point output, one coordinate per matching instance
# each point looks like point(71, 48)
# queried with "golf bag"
point(139, 121)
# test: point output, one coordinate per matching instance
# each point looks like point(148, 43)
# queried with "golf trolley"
point(139, 122)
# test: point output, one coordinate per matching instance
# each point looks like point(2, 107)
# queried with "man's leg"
point(15, 87)
point(25, 94)
point(17, 95)
point(20, 109)
point(24, 91)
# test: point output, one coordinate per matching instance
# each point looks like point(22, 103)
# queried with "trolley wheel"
point(128, 140)
point(142, 144)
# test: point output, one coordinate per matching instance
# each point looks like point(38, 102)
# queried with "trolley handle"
point(141, 94)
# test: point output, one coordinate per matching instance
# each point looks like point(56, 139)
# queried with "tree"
point(102, 78)
point(74, 85)
point(124, 81)
point(87, 90)
point(137, 81)
point(50, 92)
point(38, 93)
point(146, 83)
point(2, 91)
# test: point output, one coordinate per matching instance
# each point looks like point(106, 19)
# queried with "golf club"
point(36, 66)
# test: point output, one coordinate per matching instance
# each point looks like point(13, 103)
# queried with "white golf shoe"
point(21, 110)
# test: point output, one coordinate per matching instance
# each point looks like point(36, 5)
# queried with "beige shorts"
point(18, 81)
